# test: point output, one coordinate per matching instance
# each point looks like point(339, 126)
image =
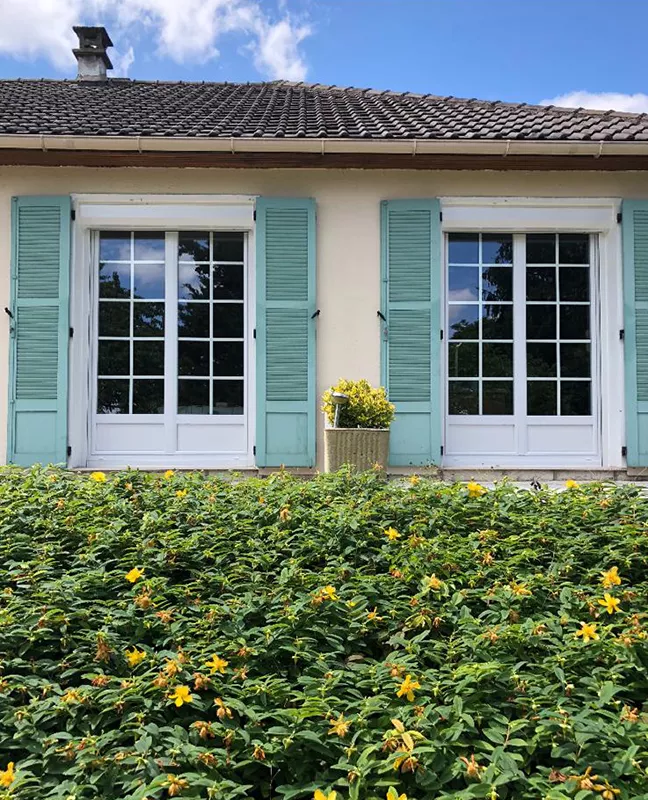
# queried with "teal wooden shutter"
point(635, 290)
point(285, 234)
point(411, 287)
point(40, 268)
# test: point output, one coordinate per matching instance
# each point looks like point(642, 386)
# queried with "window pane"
point(574, 322)
point(573, 248)
point(228, 397)
point(463, 283)
point(574, 283)
point(149, 246)
point(463, 248)
point(148, 319)
point(193, 397)
point(193, 320)
point(497, 322)
point(115, 246)
point(541, 322)
point(193, 281)
point(228, 320)
point(497, 248)
point(463, 321)
point(228, 246)
point(193, 246)
point(193, 358)
point(149, 281)
point(541, 398)
point(114, 280)
point(497, 360)
point(114, 319)
point(228, 282)
point(497, 397)
point(148, 358)
point(540, 248)
point(497, 283)
point(575, 360)
point(575, 400)
point(541, 283)
point(228, 358)
point(112, 396)
point(463, 397)
point(463, 359)
point(541, 361)
point(114, 358)
point(148, 397)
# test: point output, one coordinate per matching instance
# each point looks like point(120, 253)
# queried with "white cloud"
point(183, 30)
point(637, 103)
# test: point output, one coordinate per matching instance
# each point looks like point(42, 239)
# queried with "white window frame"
point(95, 212)
point(551, 214)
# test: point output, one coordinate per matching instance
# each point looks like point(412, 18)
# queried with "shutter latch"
point(622, 334)
point(316, 314)
point(385, 328)
point(8, 313)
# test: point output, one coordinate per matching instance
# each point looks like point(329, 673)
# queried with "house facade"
point(187, 267)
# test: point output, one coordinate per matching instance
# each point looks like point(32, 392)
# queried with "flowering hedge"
point(183, 636)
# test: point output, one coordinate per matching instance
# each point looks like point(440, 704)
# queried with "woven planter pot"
point(361, 447)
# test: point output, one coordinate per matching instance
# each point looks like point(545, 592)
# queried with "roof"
point(280, 109)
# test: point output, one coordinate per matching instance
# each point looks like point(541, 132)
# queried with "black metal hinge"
point(624, 451)
point(71, 333)
point(254, 450)
point(441, 334)
point(69, 450)
point(440, 216)
point(619, 217)
point(441, 448)
point(254, 334)
point(254, 215)
point(622, 334)
point(73, 214)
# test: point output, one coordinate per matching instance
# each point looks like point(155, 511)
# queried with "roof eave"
point(414, 147)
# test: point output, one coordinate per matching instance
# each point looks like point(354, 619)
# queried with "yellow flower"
point(339, 726)
point(326, 593)
point(181, 695)
point(284, 514)
point(520, 589)
point(475, 489)
point(611, 604)
point(392, 794)
point(319, 795)
point(98, 477)
point(587, 631)
point(432, 582)
point(414, 480)
point(217, 664)
point(181, 493)
point(407, 688)
point(7, 775)
point(571, 484)
point(176, 785)
point(372, 616)
point(391, 534)
point(134, 574)
point(135, 656)
point(169, 474)
point(71, 696)
point(611, 578)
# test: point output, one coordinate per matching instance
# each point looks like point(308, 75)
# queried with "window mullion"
point(171, 341)
point(519, 342)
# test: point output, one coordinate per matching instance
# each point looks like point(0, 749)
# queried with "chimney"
point(91, 53)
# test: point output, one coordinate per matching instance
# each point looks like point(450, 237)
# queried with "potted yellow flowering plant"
point(358, 417)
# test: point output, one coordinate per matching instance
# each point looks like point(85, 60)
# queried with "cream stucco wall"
point(348, 232)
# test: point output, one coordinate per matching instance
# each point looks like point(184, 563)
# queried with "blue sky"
point(520, 50)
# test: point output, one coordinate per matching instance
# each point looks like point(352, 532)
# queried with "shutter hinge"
point(254, 450)
point(254, 334)
point(441, 334)
point(622, 334)
point(624, 451)
point(440, 216)
point(441, 448)
point(69, 450)
point(254, 215)
point(72, 214)
point(71, 333)
point(619, 217)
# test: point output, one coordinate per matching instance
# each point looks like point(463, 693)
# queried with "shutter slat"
point(412, 279)
point(285, 332)
point(37, 422)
